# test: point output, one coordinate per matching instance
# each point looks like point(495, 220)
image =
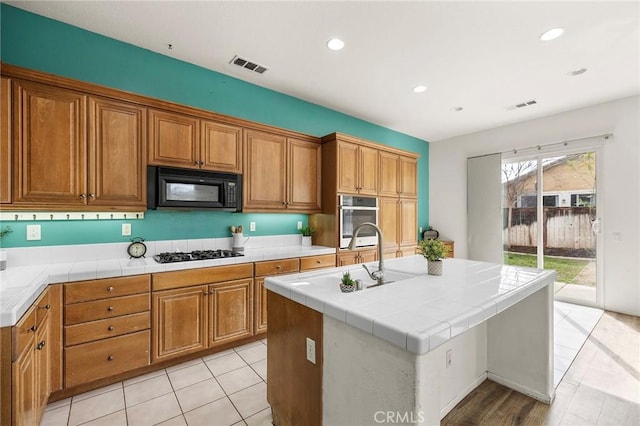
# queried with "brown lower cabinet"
point(32, 371)
point(211, 306)
point(353, 257)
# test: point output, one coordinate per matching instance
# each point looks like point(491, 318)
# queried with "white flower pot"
point(434, 267)
point(306, 241)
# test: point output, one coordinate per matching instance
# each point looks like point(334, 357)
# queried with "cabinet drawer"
point(275, 267)
point(24, 332)
point(92, 361)
point(108, 308)
point(315, 262)
point(102, 329)
point(84, 291)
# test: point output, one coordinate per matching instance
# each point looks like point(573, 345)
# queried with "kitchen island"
point(408, 351)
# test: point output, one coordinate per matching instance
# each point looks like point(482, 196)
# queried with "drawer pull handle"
point(109, 288)
point(40, 345)
point(34, 328)
point(110, 308)
point(110, 358)
point(111, 328)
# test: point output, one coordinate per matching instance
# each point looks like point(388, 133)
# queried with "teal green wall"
point(39, 43)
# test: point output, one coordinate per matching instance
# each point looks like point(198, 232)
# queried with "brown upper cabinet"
point(57, 167)
point(397, 175)
point(281, 173)
point(357, 169)
point(50, 158)
point(181, 140)
point(5, 140)
point(117, 154)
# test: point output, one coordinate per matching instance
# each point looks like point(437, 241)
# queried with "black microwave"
point(186, 189)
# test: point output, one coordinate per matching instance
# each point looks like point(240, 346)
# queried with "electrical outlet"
point(252, 226)
point(299, 224)
point(448, 360)
point(33, 233)
point(311, 350)
point(126, 229)
point(420, 230)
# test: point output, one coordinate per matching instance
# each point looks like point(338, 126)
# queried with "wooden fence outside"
point(565, 228)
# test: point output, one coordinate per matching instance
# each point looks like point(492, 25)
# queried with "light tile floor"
point(572, 326)
point(227, 388)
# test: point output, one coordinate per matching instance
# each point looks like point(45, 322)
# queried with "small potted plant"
point(434, 251)
point(3, 253)
point(307, 231)
point(347, 284)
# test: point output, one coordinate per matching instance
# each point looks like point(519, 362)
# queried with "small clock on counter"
point(137, 248)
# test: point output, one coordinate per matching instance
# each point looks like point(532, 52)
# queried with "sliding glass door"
point(551, 221)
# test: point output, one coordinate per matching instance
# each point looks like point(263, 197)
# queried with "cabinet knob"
point(83, 196)
point(34, 328)
point(109, 288)
point(47, 306)
point(40, 345)
point(110, 358)
point(318, 262)
point(205, 293)
point(110, 308)
point(284, 203)
point(278, 267)
point(91, 195)
point(111, 328)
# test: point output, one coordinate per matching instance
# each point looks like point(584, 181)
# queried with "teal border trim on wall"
point(43, 44)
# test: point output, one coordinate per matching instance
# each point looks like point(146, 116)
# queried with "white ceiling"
point(482, 56)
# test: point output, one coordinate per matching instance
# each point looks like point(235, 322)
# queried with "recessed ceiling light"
point(577, 71)
point(457, 109)
point(419, 89)
point(551, 34)
point(335, 44)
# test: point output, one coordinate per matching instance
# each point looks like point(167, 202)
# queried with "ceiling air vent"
point(250, 65)
point(521, 105)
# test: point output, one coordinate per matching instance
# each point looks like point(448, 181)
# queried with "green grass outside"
point(567, 269)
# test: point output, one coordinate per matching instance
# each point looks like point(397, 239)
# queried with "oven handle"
point(357, 208)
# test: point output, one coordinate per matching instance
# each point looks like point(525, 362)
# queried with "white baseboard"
point(445, 410)
point(547, 399)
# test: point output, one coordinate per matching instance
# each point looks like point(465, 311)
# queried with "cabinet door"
point(388, 185)
point(43, 366)
point(304, 176)
point(173, 139)
point(50, 145)
point(230, 311)
point(347, 168)
point(261, 305)
point(117, 154)
point(388, 221)
point(5, 140)
point(367, 256)
point(408, 177)
point(368, 171)
point(220, 147)
point(179, 322)
point(347, 258)
point(408, 222)
point(24, 397)
point(265, 171)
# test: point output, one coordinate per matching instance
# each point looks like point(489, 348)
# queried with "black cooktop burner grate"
point(171, 257)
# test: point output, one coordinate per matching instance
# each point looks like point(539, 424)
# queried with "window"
point(583, 200)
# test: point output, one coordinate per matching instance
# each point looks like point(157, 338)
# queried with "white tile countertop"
point(421, 312)
point(21, 285)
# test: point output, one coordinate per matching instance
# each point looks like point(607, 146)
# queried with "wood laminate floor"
point(602, 386)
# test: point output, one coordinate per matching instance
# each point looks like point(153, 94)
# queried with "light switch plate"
point(126, 229)
point(252, 226)
point(299, 224)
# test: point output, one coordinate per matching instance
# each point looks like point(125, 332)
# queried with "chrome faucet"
point(375, 275)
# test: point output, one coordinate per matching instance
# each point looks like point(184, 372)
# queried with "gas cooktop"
point(171, 257)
